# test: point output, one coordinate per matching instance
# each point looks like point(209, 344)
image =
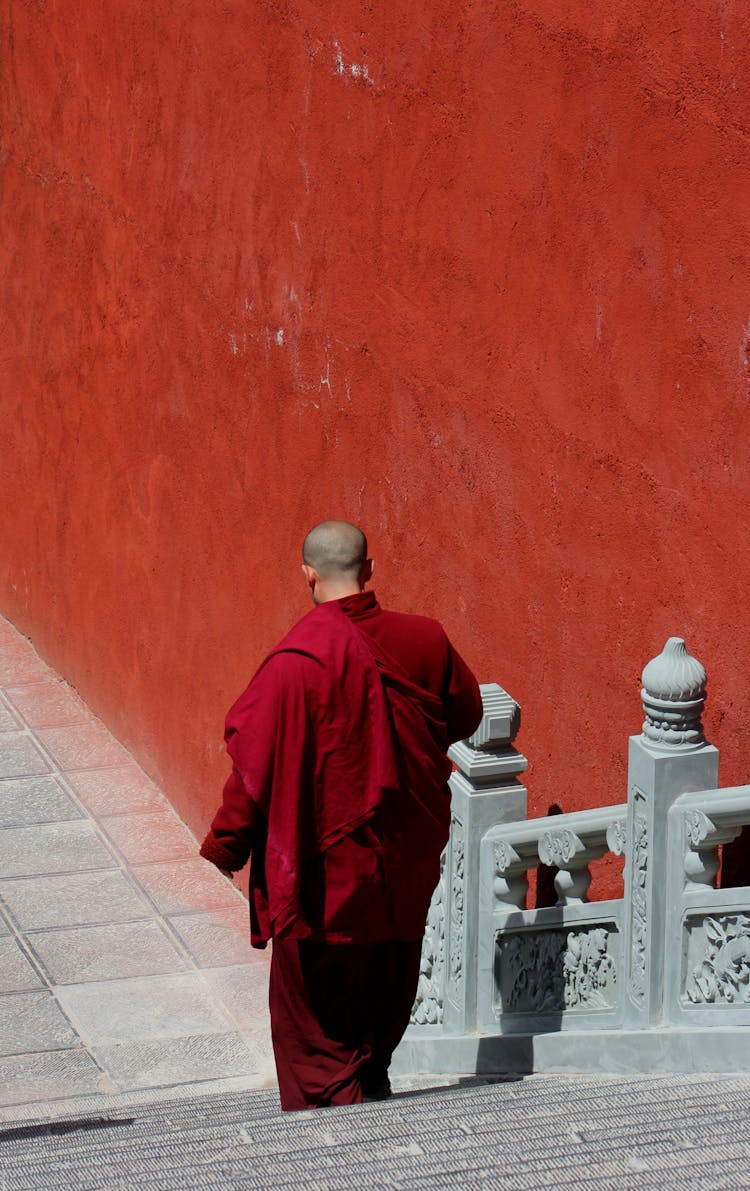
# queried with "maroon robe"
point(339, 790)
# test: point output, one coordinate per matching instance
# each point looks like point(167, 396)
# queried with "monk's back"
point(417, 643)
point(420, 647)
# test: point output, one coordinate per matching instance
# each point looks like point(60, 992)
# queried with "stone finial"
point(487, 759)
point(501, 719)
point(673, 694)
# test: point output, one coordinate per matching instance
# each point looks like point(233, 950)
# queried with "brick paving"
point(134, 1044)
point(125, 966)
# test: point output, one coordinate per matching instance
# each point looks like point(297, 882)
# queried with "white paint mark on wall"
point(280, 337)
point(233, 343)
point(355, 70)
point(306, 173)
point(295, 226)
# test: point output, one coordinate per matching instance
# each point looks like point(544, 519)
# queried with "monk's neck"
point(325, 592)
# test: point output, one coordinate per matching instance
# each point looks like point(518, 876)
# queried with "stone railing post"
point(485, 792)
point(669, 758)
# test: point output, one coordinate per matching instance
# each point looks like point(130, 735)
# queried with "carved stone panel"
point(718, 960)
point(428, 1006)
point(556, 971)
point(456, 958)
point(639, 865)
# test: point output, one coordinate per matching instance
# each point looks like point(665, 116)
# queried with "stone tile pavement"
point(125, 966)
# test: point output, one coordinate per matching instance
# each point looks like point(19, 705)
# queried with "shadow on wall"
point(735, 862)
point(606, 877)
point(546, 894)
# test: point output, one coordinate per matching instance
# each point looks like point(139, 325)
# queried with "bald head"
point(336, 550)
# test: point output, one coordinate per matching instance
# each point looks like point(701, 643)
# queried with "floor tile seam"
point(564, 1158)
point(95, 1050)
point(121, 864)
point(19, 936)
point(50, 986)
point(5, 686)
point(228, 1027)
point(175, 938)
point(31, 931)
point(58, 773)
point(548, 1130)
point(24, 730)
point(57, 983)
point(240, 1022)
point(57, 765)
point(65, 778)
point(61, 778)
point(195, 910)
point(85, 716)
point(39, 822)
point(79, 1046)
point(65, 824)
point(6, 705)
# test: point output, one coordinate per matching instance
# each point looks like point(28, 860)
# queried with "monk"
point(338, 789)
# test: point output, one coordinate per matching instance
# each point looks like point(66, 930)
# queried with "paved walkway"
point(125, 965)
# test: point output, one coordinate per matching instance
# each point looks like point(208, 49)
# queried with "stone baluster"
point(484, 792)
point(510, 885)
point(565, 851)
point(669, 758)
point(701, 858)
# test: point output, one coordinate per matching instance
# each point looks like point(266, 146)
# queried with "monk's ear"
point(367, 569)
point(311, 575)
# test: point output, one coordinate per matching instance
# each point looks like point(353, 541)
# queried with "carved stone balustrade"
point(658, 979)
point(561, 960)
point(708, 968)
point(566, 842)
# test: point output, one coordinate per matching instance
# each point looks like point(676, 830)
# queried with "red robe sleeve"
point(230, 838)
point(253, 727)
point(461, 697)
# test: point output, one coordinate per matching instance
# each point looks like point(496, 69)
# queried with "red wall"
point(490, 299)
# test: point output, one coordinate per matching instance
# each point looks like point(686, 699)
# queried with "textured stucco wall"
point(475, 276)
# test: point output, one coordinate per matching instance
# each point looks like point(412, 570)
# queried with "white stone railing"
point(567, 843)
point(707, 977)
point(649, 975)
point(556, 963)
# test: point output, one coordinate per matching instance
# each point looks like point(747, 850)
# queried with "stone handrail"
point(710, 817)
point(568, 842)
point(659, 977)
